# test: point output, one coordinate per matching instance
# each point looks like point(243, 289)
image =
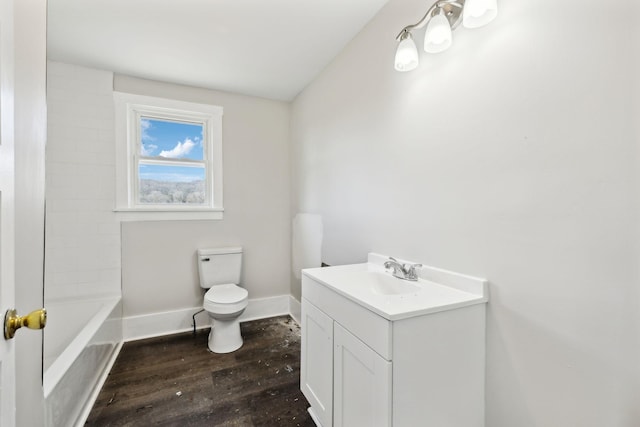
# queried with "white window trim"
point(128, 109)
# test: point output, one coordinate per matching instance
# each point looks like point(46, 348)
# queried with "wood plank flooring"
point(176, 381)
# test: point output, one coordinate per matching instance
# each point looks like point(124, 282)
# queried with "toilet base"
point(225, 336)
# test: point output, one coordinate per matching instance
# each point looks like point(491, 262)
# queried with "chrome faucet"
point(402, 271)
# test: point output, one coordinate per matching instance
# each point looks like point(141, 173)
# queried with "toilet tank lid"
point(220, 251)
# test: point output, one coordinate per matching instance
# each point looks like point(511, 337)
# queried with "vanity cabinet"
point(316, 362)
point(361, 382)
point(344, 380)
point(359, 368)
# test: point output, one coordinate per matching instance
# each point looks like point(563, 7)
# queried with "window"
point(171, 164)
point(169, 158)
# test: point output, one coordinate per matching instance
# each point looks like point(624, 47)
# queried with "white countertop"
point(371, 286)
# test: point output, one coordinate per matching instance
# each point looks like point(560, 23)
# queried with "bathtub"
point(81, 342)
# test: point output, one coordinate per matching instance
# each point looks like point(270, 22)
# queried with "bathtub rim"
point(56, 371)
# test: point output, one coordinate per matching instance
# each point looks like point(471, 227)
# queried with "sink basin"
point(371, 286)
point(385, 284)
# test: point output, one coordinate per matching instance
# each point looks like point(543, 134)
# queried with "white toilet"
point(224, 301)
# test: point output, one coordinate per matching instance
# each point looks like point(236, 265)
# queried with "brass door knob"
point(12, 322)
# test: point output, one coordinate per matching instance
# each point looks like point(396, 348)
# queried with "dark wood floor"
point(176, 381)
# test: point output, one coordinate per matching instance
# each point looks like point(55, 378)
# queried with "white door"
point(7, 237)
point(30, 129)
point(316, 362)
point(361, 383)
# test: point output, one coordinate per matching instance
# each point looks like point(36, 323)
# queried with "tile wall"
point(82, 254)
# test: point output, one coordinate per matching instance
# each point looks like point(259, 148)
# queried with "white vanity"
point(382, 351)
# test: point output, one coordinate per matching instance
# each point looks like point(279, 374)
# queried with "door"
point(362, 383)
point(30, 130)
point(22, 136)
point(7, 235)
point(316, 362)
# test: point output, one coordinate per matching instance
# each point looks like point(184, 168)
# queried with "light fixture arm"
point(452, 10)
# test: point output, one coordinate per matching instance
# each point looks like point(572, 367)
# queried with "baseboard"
point(295, 309)
point(261, 308)
point(171, 322)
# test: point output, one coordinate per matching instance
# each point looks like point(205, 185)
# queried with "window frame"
point(135, 138)
point(130, 109)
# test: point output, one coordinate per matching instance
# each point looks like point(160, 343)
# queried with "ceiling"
point(266, 48)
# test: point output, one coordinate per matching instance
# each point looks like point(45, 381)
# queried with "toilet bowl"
point(224, 304)
point(225, 300)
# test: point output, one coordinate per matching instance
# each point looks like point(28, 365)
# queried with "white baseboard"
point(295, 309)
point(261, 308)
point(171, 322)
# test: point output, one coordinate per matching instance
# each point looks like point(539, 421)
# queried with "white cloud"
point(147, 149)
point(180, 150)
point(145, 125)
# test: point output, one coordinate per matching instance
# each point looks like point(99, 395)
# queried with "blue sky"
point(175, 140)
point(171, 173)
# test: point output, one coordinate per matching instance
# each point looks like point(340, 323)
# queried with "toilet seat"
point(226, 294)
point(226, 299)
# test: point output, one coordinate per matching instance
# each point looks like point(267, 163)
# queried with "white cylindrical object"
point(225, 336)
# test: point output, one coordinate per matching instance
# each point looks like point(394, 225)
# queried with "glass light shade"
point(477, 13)
point(438, 36)
point(406, 55)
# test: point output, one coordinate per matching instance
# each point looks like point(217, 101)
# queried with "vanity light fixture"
point(441, 18)
point(407, 53)
point(438, 36)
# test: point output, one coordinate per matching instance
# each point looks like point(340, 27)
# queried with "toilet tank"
point(219, 266)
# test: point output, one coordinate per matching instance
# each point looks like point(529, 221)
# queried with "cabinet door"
point(362, 383)
point(316, 363)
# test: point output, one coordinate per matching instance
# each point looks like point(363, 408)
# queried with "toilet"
point(225, 301)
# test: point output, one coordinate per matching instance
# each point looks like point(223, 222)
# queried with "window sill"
point(170, 214)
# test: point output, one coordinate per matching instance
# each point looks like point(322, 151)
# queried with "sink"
point(385, 284)
point(371, 286)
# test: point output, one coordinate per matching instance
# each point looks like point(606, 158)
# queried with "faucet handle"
point(410, 270)
point(405, 271)
point(390, 261)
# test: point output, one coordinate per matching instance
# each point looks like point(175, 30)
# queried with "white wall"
point(82, 253)
point(512, 156)
point(159, 269)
